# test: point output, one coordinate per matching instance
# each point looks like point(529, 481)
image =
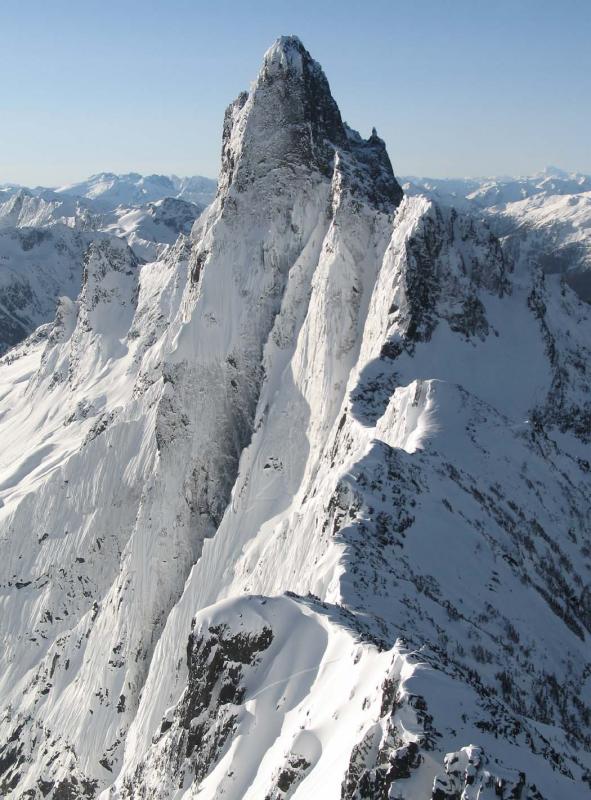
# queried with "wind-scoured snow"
point(301, 508)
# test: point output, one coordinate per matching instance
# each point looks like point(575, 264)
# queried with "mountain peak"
point(550, 171)
point(288, 52)
point(301, 507)
point(290, 120)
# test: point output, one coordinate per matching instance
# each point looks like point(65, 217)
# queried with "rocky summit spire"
point(290, 121)
point(308, 106)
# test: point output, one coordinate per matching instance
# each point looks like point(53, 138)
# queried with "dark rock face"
point(68, 789)
point(367, 171)
point(205, 717)
point(564, 408)
point(178, 215)
point(382, 758)
point(215, 680)
point(290, 775)
point(435, 291)
point(228, 154)
point(294, 122)
point(15, 324)
point(296, 87)
point(32, 237)
point(469, 770)
point(11, 758)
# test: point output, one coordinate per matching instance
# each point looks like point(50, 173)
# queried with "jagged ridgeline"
point(300, 509)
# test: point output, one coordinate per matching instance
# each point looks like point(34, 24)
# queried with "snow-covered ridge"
point(543, 220)
point(300, 509)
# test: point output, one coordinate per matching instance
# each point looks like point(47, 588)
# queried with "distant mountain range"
point(108, 190)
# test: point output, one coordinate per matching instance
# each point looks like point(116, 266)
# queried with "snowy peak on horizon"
point(497, 190)
point(551, 171)
point(111, 190)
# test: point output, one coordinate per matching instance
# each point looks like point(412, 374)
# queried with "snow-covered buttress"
point(302, 508)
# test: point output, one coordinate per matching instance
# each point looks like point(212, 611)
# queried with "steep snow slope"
point(301, 509)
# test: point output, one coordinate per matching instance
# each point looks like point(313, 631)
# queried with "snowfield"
point(298, 504)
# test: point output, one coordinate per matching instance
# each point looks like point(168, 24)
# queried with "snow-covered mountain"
point(149, 229)
point(108, 191)
point(44, 235)
point(544, 219)
point(498, 192)
point(301, 509)
point(37, 266)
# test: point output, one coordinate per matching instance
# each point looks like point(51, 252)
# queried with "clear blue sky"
point(455, 87)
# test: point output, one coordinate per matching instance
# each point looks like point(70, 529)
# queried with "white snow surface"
point(301, 507)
